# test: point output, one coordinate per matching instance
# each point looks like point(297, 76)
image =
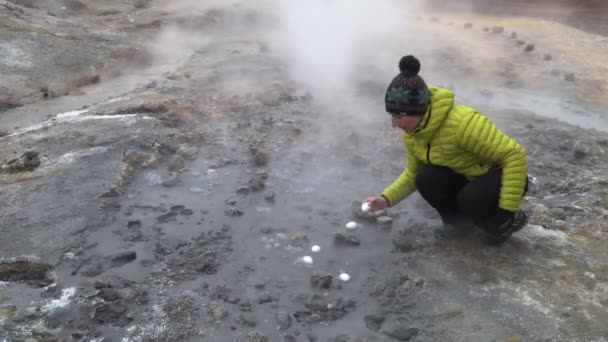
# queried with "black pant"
point(455, 198)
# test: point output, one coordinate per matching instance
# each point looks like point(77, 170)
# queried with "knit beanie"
point(407, 94)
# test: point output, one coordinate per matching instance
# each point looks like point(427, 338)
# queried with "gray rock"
point(108, 294)
point(283, 320)
point(265, 298)
point(400, 332)
point(468, 25)
point(547, 57)
point(256, 336)
point(312, 337)
point(171, 182)
point(581, 150)
point(257, 183)
point(261, 158)
point(341, 338)
point(373, 322)
point(249, 321)
point(529, 48)
point(288, 338)
point(92, 270)
point(187, 152)
point(269, 197)
point(321, 280)
point(176, 163)
point(498, 29)
point(384, 220)
point(402, 240)
point(243, 190)
point(341, 239)
point(7, 311)
point(570, 77)
point(513, 35)
point(216, 312)
point(520, 42)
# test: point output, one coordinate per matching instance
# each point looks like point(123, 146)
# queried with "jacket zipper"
point(428, 154)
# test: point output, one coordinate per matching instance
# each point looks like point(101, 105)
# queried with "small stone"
point(312, 337)
point(7, 311)
point(570, 77)
point(256, 183)
point(581, 150)
point(520, 42)
point(171, 182)
point(402, 240)
point(233, 212)
point(486, 29)
point(243, 190)
point(187, 212)
point(321, 280)
point(547, 57)
point(269, 197)
point(529, 48)
point(298, 239)
point(217, 312)
point(384, 220)
point(91, 270)
point(256, 336)
point(176, 163)
point(341, 239)
point(187, 152)
point(373, 322)
point(261, 158)
point(283, 320)
point(288, 338)
point(134, 224)
point(468, 25)
point(341, 338)
point(265, 298)
point(108, 294)
point(400, 332)
point(513, 35)
point(249, 321)
point(498, 29)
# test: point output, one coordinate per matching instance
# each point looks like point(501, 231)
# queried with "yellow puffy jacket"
point(467, 142)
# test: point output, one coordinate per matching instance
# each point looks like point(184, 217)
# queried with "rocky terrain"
point(166, 167)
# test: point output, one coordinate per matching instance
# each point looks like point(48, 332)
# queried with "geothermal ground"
point(164, 169)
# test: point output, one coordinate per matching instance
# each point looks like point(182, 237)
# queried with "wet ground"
point(175, 203)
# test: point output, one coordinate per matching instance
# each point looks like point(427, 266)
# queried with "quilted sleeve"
point(405, 184)
point(478, 135)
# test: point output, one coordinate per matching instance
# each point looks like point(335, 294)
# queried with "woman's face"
point(408, 123)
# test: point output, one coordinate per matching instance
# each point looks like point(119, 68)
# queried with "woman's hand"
point(376, 203)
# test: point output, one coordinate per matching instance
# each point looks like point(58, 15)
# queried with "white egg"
point(307, 260)
point(315, 249)
point(351, 225)
point(365, 207)
point(344, 277)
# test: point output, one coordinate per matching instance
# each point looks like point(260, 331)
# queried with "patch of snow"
point(535, 232)
point(66, 295)
point(73, 113)
point(153, 178)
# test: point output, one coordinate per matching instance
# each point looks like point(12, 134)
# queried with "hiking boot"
point(519, 221)
point(450, 232)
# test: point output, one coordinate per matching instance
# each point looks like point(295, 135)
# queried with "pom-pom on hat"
point(407, 94)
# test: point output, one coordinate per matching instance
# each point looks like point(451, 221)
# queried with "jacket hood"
point(440, 105)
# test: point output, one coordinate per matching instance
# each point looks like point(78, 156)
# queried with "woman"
point(459, 161)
